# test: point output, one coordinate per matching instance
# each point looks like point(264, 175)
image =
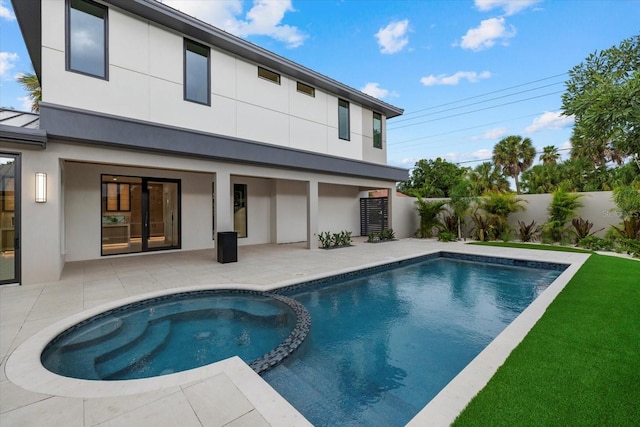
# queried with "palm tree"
point(485, 177)
point(30, 83)
point(549, 155)
point(514, 154)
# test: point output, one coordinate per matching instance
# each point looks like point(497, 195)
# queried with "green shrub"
point(597, 243)
point(447, 236)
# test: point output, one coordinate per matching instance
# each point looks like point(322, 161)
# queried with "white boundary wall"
point(598, 207)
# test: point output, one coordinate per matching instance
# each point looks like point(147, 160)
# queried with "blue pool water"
point(384, 344)
point(171, 334)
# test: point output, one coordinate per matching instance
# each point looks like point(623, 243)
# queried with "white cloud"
point(376, 91)
point(263, 19)
point(486, 34)
point(25, 103)
point(509, 7)
point(393, 38)
point(7, 62)
point(550, 121)
point(6, 13)
point(495, 133)
point(457, 157)
point(454, 79)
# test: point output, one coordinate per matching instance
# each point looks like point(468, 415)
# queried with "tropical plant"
point(549, 155)
point(582, 228)
point(484, 229)
point(562, 207)
point(597, 243)
point(31, 84)
point(387, 234)
point(428, 211)
point(331, 240)
point(528, 232)
point(513, 155)
point(498, 207)
point(460, 202)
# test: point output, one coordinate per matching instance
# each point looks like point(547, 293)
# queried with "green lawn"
point(580, 364)
point(533, 246)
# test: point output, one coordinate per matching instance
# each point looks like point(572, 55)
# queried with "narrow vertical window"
point(86, 47)
point(196, 73)
point(377, 130)
point(343, 119)
point(240, 209)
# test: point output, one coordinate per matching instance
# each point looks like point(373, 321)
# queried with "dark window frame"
point(306, 89)
point(344, 104)
point(67, 30)
point(243, 189)
point(377, 138)
point(270, 76)
point(186, 44)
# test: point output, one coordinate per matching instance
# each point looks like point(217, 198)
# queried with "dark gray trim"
point(22, 135)
point(92, 128)
point(29, 15)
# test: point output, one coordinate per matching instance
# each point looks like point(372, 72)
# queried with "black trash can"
point(227, 244)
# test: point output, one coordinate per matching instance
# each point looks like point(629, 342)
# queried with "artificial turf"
point(580, 364)
point(533, 246)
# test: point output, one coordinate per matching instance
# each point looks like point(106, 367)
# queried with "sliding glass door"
point(139, 214)
point(9, 219)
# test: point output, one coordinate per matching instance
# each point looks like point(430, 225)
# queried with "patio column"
point(312, 214)
point(224, 211)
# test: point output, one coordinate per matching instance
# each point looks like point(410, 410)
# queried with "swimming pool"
point(385, 343)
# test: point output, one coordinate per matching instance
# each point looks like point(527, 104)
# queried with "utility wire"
point(477, 110)
point(390, 144)
point(490, 160)
point(391, 127)
point(483, 94)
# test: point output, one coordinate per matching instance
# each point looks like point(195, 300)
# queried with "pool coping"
point(24, 369)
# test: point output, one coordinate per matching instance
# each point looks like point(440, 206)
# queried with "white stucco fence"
point(598, 208)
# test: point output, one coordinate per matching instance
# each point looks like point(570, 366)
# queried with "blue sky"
point(467, 73)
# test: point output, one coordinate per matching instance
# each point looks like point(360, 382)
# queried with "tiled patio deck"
point(223, 394)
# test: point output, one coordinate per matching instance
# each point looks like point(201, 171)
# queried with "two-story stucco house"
point(157, 131)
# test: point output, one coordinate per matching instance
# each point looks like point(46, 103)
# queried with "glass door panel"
point(163, 215)
point(121, 214)
point(9, 227)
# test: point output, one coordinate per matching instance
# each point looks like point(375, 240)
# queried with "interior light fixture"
point(41, 187)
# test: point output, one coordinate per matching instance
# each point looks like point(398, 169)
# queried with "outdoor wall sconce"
point(41, 187)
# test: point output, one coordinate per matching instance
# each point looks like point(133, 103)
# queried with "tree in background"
point(432, 178)
point(549, 155)
point(514, 154)
point(603, 93)
point(486, 177)
point(31, 84)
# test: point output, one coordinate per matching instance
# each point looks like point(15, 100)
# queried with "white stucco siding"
point(145, 82)
point(339, 208)
point(259, 124)
point(291, 208)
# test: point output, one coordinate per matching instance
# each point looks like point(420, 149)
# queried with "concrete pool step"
point(154, 337)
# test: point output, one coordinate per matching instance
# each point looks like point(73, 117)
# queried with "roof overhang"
point(25, 136)
point(92, 128)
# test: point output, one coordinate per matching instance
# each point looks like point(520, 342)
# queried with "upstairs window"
point(196, 73)
point(86, 46)
point(377, 130)
point(306, 89)
point(343, 120)
point(268, 75)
